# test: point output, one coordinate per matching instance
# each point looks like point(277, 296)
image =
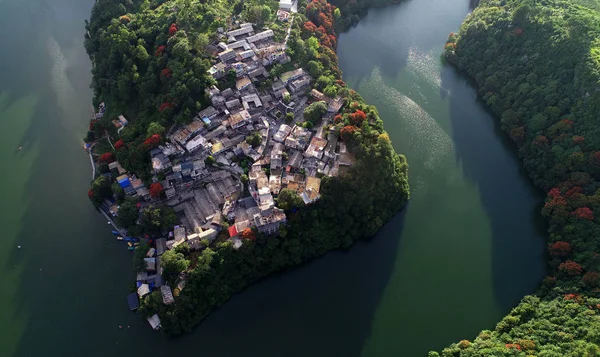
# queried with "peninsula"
point(228, 147)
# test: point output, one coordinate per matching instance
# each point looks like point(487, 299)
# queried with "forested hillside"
point(537, 65)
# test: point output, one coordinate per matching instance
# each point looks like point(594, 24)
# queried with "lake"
point(467, 247)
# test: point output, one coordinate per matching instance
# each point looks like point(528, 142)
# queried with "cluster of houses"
point(199, 166)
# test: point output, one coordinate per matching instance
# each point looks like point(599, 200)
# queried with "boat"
point(119, 238)
point(136, 244)
point(129, 244)
point(130, 248)
point(115, 233)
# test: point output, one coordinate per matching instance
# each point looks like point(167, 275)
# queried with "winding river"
point(464, 251)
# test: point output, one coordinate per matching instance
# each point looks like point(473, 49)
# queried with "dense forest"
point(150, 63)
point(536, 64)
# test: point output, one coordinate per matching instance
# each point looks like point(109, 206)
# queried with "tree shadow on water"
point(322, 308)
point(511, 202)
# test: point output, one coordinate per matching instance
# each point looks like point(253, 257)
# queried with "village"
point(261, 126)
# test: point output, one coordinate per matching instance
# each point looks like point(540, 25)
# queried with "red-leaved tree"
point(172, 29)
point(347, 132)
point(248, 233)
point(107, 157)
point(119, 144)
point(560, 249)
point(358, 117)
point(585, 213)
point(156, 189)
point(152, 141)
point(570, 268)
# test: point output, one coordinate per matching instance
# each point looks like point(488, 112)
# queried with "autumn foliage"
point(358, 117)
point(585, 213)
point(161, 49)
point(155, 190)
point(570, 268)
point(172, 29)
point(107, 157)
point(119, 144)
point(347, 132)
point(164, 106)
point(560, 249)
point(166, 73)
point(248, 233)
point(152, 141)
point(513, 346)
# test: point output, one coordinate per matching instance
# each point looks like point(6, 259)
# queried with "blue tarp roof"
point(124, 183)
point(132, 301)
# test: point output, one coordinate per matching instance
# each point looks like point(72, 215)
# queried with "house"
point(282, 133)
point(316, 148)
point(300, 84)
point(123, 181)
point(246, 54)
point(218, 71)
point(239, 69)
point(311, 190)
point(132, 301)
point(239, 44)
point(286, 5)
point(244, 30)
point(277, 86)
point(286, 77)
point(197, 143)
point(115, 165)
point(227, 55)
point(260, 71)
point(143, 290)
point(167, 295)
point(282, 15)
point(269, 224)
point(261, 36)
point(154, 322)
point(335, 105)
point(160, 162)
point(251, 99)
point(150, 264)
point(243, 83)
point(161, 246)
point(233, 104)
point(318, 96)
point(123, 121)
point(298, 138)
point(240, 119)
point(208, 113)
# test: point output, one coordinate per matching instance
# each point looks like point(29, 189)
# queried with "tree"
point(138, 256)
point(209, 161)
point(127, 214)
point(173, 263)
point(248, 234)
point(119, 144)
point(155, 128)
point(289, 199)
point(315, 111)
point(107, 157)
point(151, 219)
point(168, 218)
point(289, 117)
point(570, 268)
point(560, 249)
point(156, 190)
point(287, 98)
point(254, 139)
point(358, 117)
point(101, 187)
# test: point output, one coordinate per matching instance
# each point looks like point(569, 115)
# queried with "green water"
point(465, 249)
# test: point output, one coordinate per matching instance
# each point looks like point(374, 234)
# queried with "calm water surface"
point(467, 247)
